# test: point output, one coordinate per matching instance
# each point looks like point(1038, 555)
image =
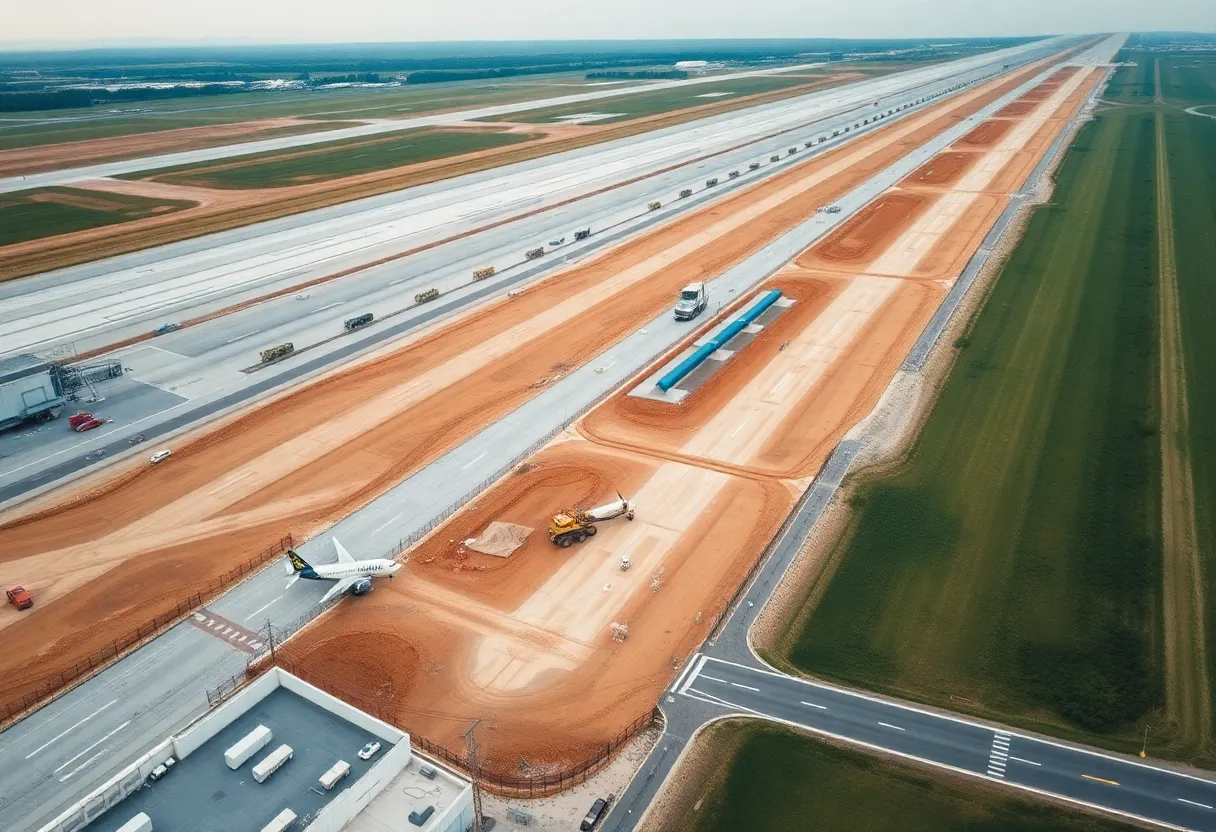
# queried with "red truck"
point(85, 421)
point(19, 598)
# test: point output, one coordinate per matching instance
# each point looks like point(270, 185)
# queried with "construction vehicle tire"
point(565, 542)
point(579, 537)
point(590, 531)
point(629, 516)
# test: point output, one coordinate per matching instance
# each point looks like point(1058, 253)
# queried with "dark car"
point(594, 816)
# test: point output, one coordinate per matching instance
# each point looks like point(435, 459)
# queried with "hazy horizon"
point(153, 23)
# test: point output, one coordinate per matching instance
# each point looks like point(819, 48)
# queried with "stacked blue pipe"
point(673, 377)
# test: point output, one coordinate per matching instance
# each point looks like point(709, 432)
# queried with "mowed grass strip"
point(45, 212)
point(327, 161)
point(1191, 160)
point(1012, 565)
point(777, 779)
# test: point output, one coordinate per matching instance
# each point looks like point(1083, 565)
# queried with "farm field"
point(680, 98)
point(1040, 555)
point(31, 215)
point(325, 162)
point(768, 777)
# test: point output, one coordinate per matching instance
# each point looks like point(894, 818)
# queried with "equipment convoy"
point(274, 353)
point(571, 526)
point(428, 295)
point(687, 192)
point(483, 273)
point(358, 321)
point(535, 253)
point(582, 234)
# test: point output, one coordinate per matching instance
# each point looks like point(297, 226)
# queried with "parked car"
point(160, 456)
point(368, 751)
point(162, 769)
point(598, 808)
point(163, 328)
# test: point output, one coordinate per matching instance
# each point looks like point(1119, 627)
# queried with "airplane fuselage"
point(377, 568)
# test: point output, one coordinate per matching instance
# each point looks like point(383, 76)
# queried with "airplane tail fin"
point(295, 562)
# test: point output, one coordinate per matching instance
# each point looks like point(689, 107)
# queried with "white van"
point(160, 456)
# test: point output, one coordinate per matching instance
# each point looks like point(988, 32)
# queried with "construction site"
point(555, 623)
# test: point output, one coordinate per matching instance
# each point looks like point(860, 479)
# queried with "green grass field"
point(665, 101)
point(45, 212)
point(1014, 561)
point(780, 780)
point(1013, 564)
point(332, 160)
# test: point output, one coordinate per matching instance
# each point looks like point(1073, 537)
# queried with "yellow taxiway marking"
point(1100, 780)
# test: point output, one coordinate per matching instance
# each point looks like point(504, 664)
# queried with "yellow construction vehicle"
point(571, 526)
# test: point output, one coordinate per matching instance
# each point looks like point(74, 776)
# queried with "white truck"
point(283, 821)
point(272, 762)
point(247, 746)
point(336, 773)
point(139, 823)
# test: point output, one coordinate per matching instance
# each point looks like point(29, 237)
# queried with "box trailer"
point(283, 821)
point(272, 762)
point(139, 823)
point(247, 746)
point(336, 773)
point(28, 390)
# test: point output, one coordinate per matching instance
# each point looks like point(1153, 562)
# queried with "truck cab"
point(692, 302)
point(19, 597)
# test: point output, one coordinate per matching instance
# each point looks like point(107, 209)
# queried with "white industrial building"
point(28, 389)
point(280, 755)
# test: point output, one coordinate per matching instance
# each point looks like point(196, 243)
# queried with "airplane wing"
point(341, 586)
point(343, 555)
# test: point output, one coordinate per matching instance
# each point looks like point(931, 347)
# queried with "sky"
point(149, 22)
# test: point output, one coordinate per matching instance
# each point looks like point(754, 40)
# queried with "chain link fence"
point(51, 687)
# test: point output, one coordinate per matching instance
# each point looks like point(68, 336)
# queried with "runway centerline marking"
point(467, 464)
point(745, 687)
point(813, 705)
point(1193, 803)
point(1028, 762)
point(889, 725)
point(91, 747)
point(58, 737)
point(712, 678)
point(82, 766)
point(386, 522)
point(264, 606)
point(1099, 780)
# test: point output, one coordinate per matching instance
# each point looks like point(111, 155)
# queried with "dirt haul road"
point(526, 642)
point(301, 462)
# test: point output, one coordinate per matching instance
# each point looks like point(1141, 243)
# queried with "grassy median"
point(44, 212)
point(766, 777)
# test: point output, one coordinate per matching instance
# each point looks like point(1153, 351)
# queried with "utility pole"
point(474, 773)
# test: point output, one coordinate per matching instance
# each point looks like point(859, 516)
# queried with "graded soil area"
point(300, 462)
point(942, 170)
point(525, 642)
point(864, 235)
point(986, 135)
point(528, 644)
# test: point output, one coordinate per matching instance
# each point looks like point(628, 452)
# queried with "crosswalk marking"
point(998, 755)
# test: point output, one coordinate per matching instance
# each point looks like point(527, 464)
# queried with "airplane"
point(348, 574)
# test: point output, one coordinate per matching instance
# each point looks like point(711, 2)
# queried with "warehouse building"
point(29, 390)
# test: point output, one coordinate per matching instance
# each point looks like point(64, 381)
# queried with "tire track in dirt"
point(1188, 697)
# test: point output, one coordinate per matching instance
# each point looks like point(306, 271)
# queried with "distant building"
point(691, 64)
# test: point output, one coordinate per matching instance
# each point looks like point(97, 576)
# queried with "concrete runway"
point(98, 303)
point(96, 728)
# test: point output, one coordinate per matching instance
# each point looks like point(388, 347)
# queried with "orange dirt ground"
point(942, 170)
point(312, 456)
point(986, 135)
point(523, 642)
point(526, 646)
point(27, 160)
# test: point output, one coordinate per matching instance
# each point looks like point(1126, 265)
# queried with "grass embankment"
point(775, 779)
point(333, 160)
point(1012, 565)
point(667, 100)
point(45, 212)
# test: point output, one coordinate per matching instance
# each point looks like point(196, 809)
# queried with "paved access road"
point(1112, 783)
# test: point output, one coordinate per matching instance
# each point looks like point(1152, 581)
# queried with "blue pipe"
point(673, 377)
